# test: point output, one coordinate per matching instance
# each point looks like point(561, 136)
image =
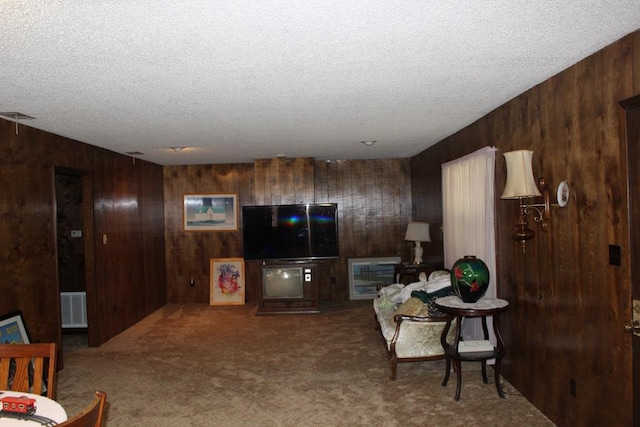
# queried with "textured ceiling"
point(240, 80)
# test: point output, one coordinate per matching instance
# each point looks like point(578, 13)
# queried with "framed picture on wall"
point(227, 281)
point(365, 274)
point(13, 329)
point(211, 212)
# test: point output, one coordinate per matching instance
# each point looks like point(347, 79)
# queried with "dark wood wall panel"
point(124, 196)
point(567, 304)
point(188, 253)
point(152, 204)
point(373, 199)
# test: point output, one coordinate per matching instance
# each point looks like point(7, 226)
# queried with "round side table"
point(454, 307)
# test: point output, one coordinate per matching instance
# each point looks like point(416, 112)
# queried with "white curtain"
point(469, 218)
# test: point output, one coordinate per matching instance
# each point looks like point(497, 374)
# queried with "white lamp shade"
point(418, 232)
point(520, 181)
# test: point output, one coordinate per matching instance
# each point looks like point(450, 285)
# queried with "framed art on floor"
point(13, 330)
point(365, 274)
point(210, 212)
point(227, 281)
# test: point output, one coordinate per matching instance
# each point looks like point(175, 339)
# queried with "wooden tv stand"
point(304, 303)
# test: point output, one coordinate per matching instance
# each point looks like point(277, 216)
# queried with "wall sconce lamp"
point(418, 232)
point(521, 185)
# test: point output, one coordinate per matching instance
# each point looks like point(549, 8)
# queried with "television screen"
point(290, 231)
point(282, 282)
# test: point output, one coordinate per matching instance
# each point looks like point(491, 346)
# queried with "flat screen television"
point(290, 232)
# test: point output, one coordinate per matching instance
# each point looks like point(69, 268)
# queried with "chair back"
point(91, 416)
point(22, 368)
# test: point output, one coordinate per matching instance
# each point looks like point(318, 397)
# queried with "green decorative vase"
point(470, 278)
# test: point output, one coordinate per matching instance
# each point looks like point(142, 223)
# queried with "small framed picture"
point(227, 281)
point(366, 274)
point(13, 329)
point(211, 212)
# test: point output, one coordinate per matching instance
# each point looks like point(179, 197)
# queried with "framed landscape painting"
point(13, 330)
point(227, 281)
point(365, 274)
point(211, 212)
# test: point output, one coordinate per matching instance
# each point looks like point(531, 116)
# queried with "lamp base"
point(417, 254)
point(522, 233)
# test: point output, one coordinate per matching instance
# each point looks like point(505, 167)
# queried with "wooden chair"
point(91, 416)
point(27, 364)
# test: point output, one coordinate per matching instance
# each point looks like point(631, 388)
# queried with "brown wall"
point(373, 199)
point(567, 304)
point(127, 274)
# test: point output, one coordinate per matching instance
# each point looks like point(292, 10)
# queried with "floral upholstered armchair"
point(409, 322)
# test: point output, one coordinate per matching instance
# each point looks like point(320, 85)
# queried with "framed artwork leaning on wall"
point(365, 274)
point(13, 329)
point(227, 281)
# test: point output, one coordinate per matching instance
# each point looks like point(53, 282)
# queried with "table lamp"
point(418, 232)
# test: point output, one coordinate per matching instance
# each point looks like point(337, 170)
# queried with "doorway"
point(75, 254)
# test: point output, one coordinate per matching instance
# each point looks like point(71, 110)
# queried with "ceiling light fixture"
point(368, 143)
point(178, 149)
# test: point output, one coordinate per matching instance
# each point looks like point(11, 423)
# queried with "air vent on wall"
point(14, 115)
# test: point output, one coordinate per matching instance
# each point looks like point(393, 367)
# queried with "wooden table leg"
point(501, 352)
point(445, 347)
point(458, 366)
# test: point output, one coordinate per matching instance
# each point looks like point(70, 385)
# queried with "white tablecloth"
point(45, 407)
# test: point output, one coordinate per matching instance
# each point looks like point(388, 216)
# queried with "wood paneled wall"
point(567, 304)
point(188, 253)
point(127, 201)
point(373, 199)
point(374, 207)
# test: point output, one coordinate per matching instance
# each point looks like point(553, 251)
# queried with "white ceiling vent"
point(14, 115)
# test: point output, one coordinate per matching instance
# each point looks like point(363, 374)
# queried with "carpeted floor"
point(197, 365)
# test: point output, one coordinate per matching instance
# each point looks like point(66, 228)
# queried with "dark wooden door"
point(632, 107)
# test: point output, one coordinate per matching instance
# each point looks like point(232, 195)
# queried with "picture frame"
point(210, 212)
point(13, 329)
point(365, 274)
point(227, 281)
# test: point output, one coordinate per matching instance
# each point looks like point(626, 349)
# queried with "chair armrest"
point(417, 336)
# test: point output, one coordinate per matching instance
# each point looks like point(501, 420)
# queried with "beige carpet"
point(196, 365)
